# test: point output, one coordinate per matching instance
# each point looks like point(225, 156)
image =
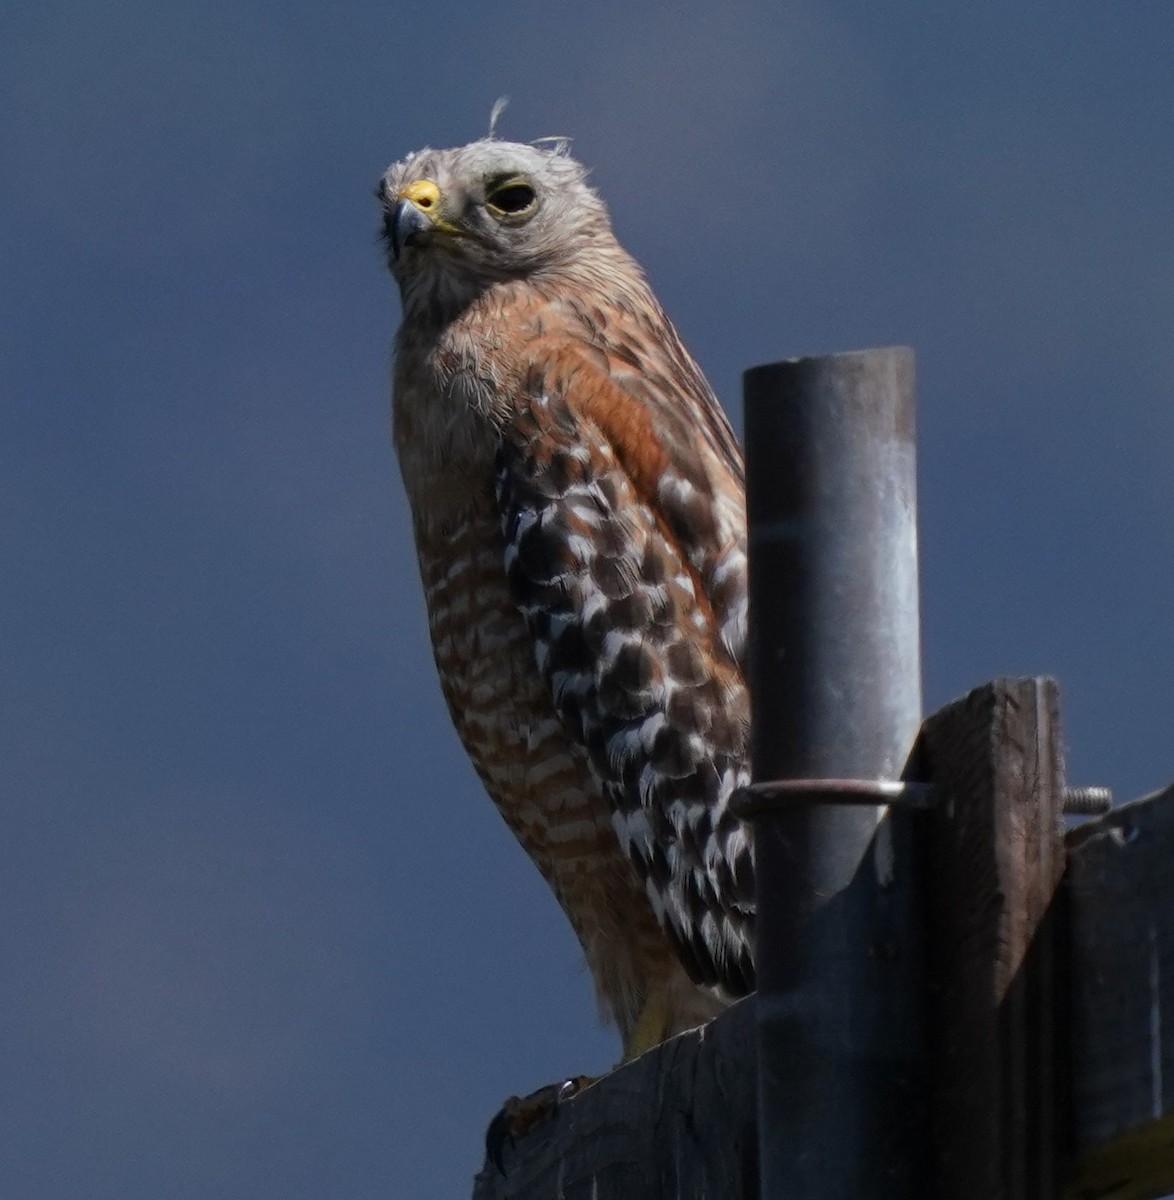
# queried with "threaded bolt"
point(1087, 801)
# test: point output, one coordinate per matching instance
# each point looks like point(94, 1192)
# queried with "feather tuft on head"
point(499, 106)
point(557, 145)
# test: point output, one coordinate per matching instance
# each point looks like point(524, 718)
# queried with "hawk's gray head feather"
point(458, 220)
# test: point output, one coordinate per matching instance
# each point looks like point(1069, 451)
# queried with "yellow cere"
point(423, 193)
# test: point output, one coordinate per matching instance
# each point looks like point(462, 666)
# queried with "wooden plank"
point(1120, 888)
point(995, 856)
point(677, 1123)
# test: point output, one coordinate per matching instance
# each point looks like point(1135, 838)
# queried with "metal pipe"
point(835, 683)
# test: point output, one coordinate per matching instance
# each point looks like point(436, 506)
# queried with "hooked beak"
point(406, 225)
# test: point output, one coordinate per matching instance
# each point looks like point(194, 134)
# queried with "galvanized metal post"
point(836, 692)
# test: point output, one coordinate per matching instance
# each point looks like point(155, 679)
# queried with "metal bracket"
point(779, 795)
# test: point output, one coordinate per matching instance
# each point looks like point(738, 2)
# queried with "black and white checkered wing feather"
point(632, 647)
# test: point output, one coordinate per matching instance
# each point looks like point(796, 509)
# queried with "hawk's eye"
point(513, 197)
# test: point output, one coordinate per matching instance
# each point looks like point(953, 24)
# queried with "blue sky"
point(261, 934)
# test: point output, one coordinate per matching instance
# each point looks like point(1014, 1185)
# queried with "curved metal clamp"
point(779, 795)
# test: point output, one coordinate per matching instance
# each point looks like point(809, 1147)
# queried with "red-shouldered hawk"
point(577, 498)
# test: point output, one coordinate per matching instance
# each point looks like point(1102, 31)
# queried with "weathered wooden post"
point(836, 696)
point(994, 853)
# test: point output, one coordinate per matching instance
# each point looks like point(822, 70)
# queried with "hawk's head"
point(456, 221)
